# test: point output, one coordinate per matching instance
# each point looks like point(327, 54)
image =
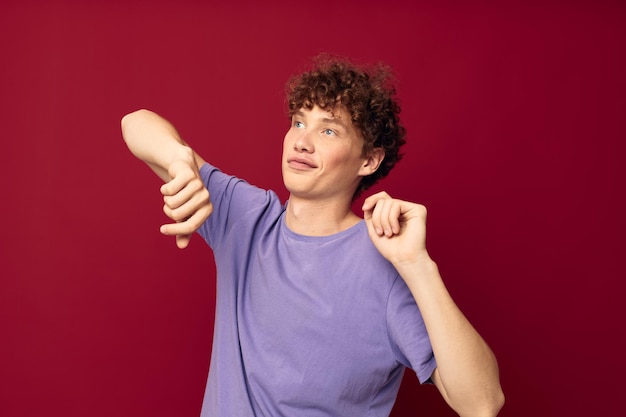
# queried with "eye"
point(329, 132)
point(298, 124)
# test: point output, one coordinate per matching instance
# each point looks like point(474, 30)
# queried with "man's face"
point(322, 155)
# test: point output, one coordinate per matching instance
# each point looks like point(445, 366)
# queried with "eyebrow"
point(335, 121)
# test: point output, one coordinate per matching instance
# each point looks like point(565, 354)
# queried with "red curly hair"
point(368, 96)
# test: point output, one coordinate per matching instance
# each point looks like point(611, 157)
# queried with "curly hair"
point(368, 96)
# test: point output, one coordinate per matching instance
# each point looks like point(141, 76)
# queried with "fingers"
point(388, 215)
point(181, 172)
point(385, 217)
point(184, 195)
point(182, 241)
point(384, 213)
point(179, 180)
point(370, 202)
point(187, 202)
point(188, 225)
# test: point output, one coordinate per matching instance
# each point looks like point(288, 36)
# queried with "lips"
point(300, 163)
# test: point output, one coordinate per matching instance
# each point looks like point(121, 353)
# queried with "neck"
point(319, 218)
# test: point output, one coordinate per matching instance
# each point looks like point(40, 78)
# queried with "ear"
point(372, 162)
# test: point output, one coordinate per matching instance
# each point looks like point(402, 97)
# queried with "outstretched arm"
point(467, 372)
point(155, 141)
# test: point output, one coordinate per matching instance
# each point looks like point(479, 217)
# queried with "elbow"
point(501, 401)
point(128, 120)
point(489, 407)
point(133, 126)
point(492, 407)
point(496, 404)
point(125, 122)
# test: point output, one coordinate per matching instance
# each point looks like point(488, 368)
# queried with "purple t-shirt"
point(304, 326)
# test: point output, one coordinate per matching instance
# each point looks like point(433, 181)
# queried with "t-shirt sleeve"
point(233, 200)
point(407, 332)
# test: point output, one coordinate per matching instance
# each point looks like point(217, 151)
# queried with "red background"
point(515, 116)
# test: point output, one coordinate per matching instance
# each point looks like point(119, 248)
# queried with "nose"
point(303, 143)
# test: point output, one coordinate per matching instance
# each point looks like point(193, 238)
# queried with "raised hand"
point(186, 201)
point(397, 228)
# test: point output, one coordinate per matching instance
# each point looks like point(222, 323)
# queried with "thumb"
point(368, 207)
point(370, 203)
point(367, 213)
point(182, 241)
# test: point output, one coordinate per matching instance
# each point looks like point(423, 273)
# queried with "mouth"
point(300, 163)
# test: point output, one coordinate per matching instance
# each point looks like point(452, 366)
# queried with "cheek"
point(286, 142)
point(288, 139)
point(344, 155)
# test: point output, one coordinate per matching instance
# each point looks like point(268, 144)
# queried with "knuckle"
point(203, 197)
point(422, 210)
point(177, 214)
point(194, 223)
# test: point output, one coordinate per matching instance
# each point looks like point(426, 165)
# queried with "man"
point(318, 311)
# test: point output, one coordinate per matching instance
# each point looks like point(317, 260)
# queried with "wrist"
point(419, 259)
point(181, 152)
point(420, 265)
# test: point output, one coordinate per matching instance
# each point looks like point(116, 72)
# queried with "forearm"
point(467, 370)
point(154, 140)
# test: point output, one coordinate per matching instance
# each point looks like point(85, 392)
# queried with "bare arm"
point(155, 141)
point(467, 372)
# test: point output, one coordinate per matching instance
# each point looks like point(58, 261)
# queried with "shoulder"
point(374, 270)
point(236, 203)
point(219, 182)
